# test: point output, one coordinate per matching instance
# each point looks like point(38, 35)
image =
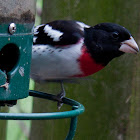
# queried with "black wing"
point(60, 32)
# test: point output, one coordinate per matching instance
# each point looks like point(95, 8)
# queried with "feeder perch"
point(16, 37)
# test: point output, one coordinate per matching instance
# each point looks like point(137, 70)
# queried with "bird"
point(68, 49)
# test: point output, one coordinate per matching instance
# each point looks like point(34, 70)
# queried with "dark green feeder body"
point(15, 47)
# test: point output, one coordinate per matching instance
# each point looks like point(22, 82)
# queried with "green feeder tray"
point(77, 109)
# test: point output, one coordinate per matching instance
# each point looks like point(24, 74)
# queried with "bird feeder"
point(16, 23)
point(16, 35)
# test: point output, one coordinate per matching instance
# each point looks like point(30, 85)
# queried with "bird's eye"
point(115, 35)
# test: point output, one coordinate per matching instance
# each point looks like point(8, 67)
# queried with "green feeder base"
point(77, 109)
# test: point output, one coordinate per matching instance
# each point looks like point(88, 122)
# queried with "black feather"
point(102, 46)
point(71, 33)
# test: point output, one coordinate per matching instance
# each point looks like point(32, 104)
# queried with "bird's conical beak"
point(129, 46)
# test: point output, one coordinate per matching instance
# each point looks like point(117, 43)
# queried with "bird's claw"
point(61, 95)
point(59, 103)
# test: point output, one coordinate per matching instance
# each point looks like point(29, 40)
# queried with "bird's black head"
point(106, 41)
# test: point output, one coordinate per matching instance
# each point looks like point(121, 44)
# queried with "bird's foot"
point(60, 96)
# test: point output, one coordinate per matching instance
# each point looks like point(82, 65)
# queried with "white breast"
point(55, 63)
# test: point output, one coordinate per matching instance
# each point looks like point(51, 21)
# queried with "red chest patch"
point(87, 64)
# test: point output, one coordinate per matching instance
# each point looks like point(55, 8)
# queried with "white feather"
point(51, 63)
point(36, 29)
point(34, 39)
point(82, 25)
point(55, 34)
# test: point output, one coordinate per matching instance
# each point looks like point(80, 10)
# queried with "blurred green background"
point(111, 97)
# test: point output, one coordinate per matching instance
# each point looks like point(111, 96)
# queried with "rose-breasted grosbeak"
point(67, 49)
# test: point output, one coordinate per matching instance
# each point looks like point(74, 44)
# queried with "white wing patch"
point(34, 39)
point(82, 25)
point(55, 34)
point(36, 29)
